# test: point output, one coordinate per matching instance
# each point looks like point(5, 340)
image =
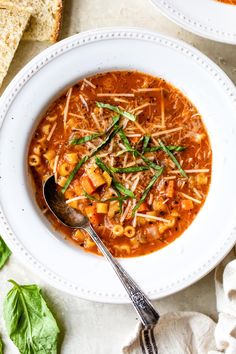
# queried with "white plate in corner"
point(207, 18)
point(203, 244)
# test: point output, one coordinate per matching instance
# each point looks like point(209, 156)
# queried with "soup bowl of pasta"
point(213, 19)
point(136, 145)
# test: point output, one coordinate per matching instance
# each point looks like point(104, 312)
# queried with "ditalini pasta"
point(129, 151)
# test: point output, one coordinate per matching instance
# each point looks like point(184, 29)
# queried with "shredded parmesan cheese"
point(130, 164)
point(149, 89)
point(82, 86)
point(120, 100)
point(122, 146)
point(140, 107)
point(139, 127)
point(89, 83)
point(138, 113)
point(163, 124)
point(152, 217)
point(75, 115)
point(112, 161)
point(134, 221)
point(51, 132)
point(169, 177)
point(125, 161)
point(150, 200)
point(55, 167)
point(135, 184)
point(115, 94)
point(189, 197)
point(87, 131)
point(165, 201)
point(67, 106)
point(125, 213)
point(84, 101)
point(197, 193)
point(133, 135)
point(93, 115)
point(68, 201)
point(204, 170)
point(168, 131)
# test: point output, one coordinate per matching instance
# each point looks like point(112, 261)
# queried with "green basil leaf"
point(146, 140)
point(149, 162)
point(147, 190)
point(117, 185)
point(73, 173)
point(116, 109)
point(102, 165)
point(106, 141)
point(130, 169)
point(4, 253)
point(122, 189)
point(173, 158)
point(30, 324)
point(175, 148)
point(125, 140)
point(85, 139)
point(109, 137)
point(90, 197)
point(1, 346)
point(115, 120)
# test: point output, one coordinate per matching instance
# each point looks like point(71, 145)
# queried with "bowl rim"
point(34, 66)
point(195, 25)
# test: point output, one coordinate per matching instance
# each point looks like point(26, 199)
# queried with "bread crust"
point(12, 33)
point(58, 22)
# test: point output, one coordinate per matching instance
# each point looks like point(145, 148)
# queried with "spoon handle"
point(147, 314)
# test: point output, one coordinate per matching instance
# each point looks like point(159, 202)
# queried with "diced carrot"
point(108, 178)
point(187, 204)
point(159, 206)
point(91, 212)
point(134, 139)
point(102, 208)
point(95, 176)
point(74, 204)
point(87, 184)
point(78, 236)
point(113, 209)
point(201, 179)
point(69, 194)
point(143, 207)
point(77, 188)
point(170, 189)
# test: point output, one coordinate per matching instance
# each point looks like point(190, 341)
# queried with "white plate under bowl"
point(207, 18)
point(26, 230)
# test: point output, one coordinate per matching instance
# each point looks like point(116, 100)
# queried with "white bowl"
point(207, 18)
point(26, 230)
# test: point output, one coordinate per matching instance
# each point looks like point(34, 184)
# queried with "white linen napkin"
point(191, 332)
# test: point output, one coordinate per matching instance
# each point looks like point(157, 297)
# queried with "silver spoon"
point(72, 218)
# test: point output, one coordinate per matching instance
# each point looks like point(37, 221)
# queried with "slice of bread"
point(13, 22)
point(46, 17)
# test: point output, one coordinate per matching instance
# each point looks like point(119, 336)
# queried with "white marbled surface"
point(89, 327)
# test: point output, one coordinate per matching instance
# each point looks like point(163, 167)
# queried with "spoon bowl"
point(57, 204)
point(74, 219)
